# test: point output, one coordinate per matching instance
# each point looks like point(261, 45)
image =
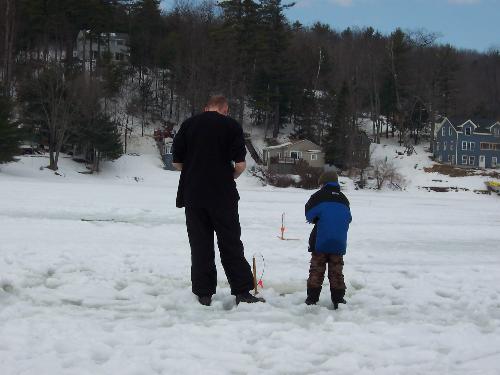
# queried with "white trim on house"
point(494, 161)
point(278, 146)
point(464, 159)
point(469, 120)
point(472, 160)
point(314, 157)
point(464, 145)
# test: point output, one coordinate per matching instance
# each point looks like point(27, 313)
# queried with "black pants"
point(201, 224)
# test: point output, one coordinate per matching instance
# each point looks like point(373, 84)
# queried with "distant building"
point(284, 158)
point(471, 143)
point(114, 44)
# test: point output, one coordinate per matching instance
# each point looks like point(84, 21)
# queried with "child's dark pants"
point(317, 275)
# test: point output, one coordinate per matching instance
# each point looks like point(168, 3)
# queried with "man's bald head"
point(217, 103)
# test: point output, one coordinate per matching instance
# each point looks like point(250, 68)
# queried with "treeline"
point(318, 80)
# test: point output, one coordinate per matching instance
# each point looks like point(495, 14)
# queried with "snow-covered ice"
point(113, 297)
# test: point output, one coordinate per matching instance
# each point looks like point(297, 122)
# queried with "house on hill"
point(468, 142)
point(284, 158)
point(114, 44)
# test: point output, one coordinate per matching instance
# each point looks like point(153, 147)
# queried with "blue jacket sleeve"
point(312, 212)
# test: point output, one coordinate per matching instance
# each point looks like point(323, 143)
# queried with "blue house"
point(471, 143)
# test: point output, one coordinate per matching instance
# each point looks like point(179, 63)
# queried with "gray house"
point(284, 158)
point(116, 44)
point(472, 143)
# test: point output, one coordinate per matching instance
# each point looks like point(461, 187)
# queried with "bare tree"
point(386, 172)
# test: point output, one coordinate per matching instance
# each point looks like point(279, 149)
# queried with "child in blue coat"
point(328, 209)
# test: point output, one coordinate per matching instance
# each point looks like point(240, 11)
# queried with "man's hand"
point(177, 166)
point(239, 168)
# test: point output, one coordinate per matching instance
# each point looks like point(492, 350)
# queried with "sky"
point(469, 24)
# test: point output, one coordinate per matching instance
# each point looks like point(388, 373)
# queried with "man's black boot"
point(248, 298)
point(337, 297)
point(313, 295)
point(205, 300)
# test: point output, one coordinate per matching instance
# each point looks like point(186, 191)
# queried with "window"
point(437, 146)
point(449, 130)
point(464, 159)
point(494, 162)
point(496, 132)
point(472, 146)
point(295, 154)
point(464, 145)
point(452, 146)
point(453, 159)
point(314, 156)
point(443, 131)
point(468, 130)
point(444, 146)
point(485, 146)
point(472, 160)
point(449, 158)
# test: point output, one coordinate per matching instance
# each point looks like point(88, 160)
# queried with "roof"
point(482, 125)
point(278, 146)
point(293, 143)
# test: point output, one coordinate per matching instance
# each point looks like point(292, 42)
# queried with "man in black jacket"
point(209, 150)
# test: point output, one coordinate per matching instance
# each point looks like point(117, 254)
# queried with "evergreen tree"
point(271, 89)
point(10, 136)
point(339, 139)
point(146, 32)
point(307, 117)
point(446, 80)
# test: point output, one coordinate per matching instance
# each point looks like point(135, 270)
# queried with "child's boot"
point(337, 297)
point(313, 295)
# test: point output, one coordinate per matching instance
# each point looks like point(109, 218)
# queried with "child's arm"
point(312, 211)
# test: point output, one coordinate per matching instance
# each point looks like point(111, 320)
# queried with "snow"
point(412, 167)
point(278, 146)
point(113, 297)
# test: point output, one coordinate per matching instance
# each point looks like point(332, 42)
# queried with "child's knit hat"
point(326, 177)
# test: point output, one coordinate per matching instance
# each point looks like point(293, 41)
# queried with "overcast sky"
point(471, 24)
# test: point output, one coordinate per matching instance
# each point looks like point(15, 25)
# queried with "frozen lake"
point(112, 296)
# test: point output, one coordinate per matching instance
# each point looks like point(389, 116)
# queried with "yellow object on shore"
point(493, 186)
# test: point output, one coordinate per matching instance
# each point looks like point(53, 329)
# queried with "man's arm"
point(238, 151)
point(179, 149)
point(239, 168)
